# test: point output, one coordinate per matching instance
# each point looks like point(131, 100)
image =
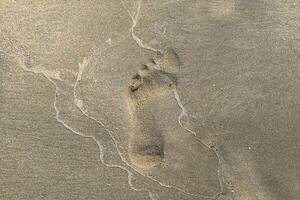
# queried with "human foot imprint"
point(152, 82)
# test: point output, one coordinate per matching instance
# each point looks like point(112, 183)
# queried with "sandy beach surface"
point(150, 99)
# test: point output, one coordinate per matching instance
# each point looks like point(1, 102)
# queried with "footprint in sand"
point(157, 144)
point(153, 81)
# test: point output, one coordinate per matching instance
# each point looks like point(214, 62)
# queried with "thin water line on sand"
point(184, 113)
point(100, 146)
point(134, 19)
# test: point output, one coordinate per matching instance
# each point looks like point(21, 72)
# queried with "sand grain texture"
point(150, 99)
